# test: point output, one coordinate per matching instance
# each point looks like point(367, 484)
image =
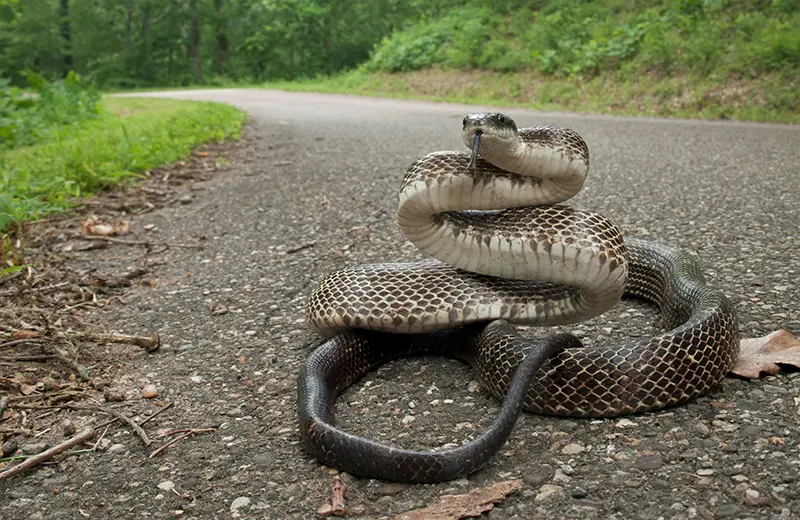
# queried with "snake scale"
point(505, 251)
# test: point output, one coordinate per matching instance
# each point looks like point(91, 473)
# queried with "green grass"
point(769, 98)
point(131, 135)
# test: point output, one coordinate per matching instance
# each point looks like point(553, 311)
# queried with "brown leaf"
point(763, 354)
point(96, 227)
point(26, 389)
point(122, 227)
point(474, 503)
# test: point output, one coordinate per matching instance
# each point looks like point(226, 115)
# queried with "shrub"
point(44, 111)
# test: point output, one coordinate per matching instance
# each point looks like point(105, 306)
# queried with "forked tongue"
point(475, 145)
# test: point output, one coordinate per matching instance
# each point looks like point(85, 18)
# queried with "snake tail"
point(319, 386)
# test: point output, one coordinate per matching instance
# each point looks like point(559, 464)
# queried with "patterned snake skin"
point(535, 263)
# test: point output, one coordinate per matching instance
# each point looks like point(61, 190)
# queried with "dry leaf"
point(26, 389)
point(122, 227)
point(335, 504)
point(95, 226)
point(763, 354)
point(474, 503)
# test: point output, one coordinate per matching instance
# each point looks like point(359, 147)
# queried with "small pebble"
point(572, 449)
point(538, 474)
point(68, 428)
point(238, 503)
point(726, 511)
point(390, 488)
point(149, 391)
point(705, 472)
point(549, 492)
point(649, 462)
point(560, 476)
point(579, 493)
point(750, 430)
point(626, 423)
point(33, 448)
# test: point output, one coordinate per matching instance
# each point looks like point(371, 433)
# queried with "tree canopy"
point(138, 43)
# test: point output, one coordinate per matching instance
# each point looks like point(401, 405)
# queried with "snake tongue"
point(475, 145)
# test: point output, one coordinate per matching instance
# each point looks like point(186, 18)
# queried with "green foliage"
point(134, 135)
point(142, 43)
point(584, 39)
point(44, 111)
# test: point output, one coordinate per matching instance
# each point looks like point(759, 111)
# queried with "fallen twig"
point(122, 417)
point(42, 357)
point(143, 421)
point(145, 243)
point(46, 455)
point(3, 406)
point(295, 249)
point(186, 433)
point(44, 289)
point(20, 341)
point(149, 343)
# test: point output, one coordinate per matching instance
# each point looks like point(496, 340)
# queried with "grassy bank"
point(129, 136)
point(677, 58)
point(770, 98)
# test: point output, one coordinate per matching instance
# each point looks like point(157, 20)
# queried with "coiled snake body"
point(506, 253)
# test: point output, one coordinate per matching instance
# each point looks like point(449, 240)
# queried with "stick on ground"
point(44, 456)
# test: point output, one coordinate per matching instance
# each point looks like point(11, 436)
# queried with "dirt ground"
point(223, 252)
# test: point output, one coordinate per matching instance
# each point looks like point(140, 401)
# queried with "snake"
point(505, 251)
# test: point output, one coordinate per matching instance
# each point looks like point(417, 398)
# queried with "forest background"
point(711, 58)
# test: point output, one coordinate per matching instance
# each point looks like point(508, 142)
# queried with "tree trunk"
point(196, 49)
point(66, 35)
point(144, 43)
point(128, 46)
point(220, 41)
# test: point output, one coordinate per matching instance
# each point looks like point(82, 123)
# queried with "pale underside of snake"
point(506, 252)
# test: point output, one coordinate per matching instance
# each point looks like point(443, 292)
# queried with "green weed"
point(130, 136)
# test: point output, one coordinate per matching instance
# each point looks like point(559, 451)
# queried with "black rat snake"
point(506, 253)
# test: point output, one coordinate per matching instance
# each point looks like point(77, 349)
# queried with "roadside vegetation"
point(687, 58)
point(61, 141)
point(737, 59)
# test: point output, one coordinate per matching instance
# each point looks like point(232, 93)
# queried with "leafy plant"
point(44, 110)
point(46, 177)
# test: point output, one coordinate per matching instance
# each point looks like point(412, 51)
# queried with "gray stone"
point(538, 474)
point(726, 511)
point(648, 462)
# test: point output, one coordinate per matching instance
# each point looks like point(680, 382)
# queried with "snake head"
point(490, 130)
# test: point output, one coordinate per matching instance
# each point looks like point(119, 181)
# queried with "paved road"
point(324, 169)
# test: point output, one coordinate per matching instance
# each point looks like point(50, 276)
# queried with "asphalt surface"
point(314, 191)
